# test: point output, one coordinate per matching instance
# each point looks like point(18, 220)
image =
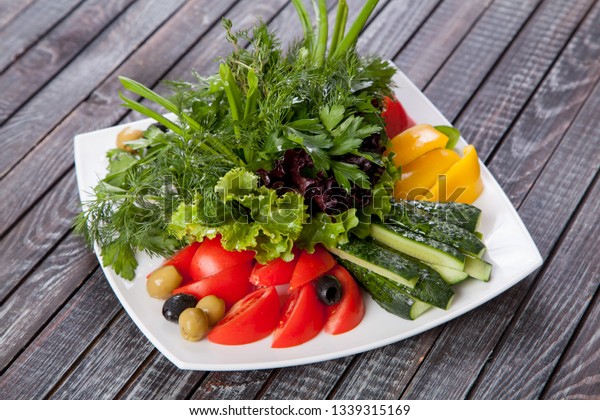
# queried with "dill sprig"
point(261, 103)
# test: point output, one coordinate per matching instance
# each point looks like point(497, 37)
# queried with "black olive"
point(176, 304)
point(329, 290)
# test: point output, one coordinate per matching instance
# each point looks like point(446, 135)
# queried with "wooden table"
point(518, 77)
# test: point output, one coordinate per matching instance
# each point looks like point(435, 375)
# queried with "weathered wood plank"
point(307, 382)
point(160, 379)
point(529, 351)
point(408, 356)
point(516, 76)
point(41, 62)
point(450, 359)
point(330, 371)
point(435, 41)
point(51, 284)
point(382, 374)
point(29, 238)
point(121, 331)
point(101, 109)
point(108, 364)
point(61, 342)
point(578, 375)
point(27, 27)
point(399, 21)
point(232, 385)
point(560, 187)
point(9, 9)
point(71, 86)
point(25, 245)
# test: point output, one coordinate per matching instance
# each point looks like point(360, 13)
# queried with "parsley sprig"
point(262, 102)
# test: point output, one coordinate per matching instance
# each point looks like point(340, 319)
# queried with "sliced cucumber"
point(388, 294)
point(418, 220)
point(463, 215)
point(477, 268)
point(418, 246)
point(449, 275)
point(381, 260)
point(431, 288)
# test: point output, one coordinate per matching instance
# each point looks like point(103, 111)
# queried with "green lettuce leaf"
point(327, 230)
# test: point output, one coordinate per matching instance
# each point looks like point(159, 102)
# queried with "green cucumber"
point(478, 269)
point(418, 246)
point(449, 275)
point(379, 259)
point(431, 288)
point(387, 294)
point(417, 220)
point(463, 215)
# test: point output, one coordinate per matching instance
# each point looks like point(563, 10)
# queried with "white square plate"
point(509, 248)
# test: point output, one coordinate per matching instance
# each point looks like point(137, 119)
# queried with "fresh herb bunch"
point(323, 105)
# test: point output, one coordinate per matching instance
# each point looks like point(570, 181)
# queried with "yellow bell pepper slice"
point(414, 142)
point(461, 183)
point(422, 173)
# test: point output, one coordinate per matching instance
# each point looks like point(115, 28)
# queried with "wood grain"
point(9, 9)
point(450, 358)
point(53, 282)
point(36, 234)
point(31, 239)
point(160, 379)
point(327, 375)
point(531, 347)
point(63, 341)
point(445, 31)
point(121, 330)
point(578, 375)
point(47, 163)
point(41, 62)
point(232, 385)
point(382, 374)
point(29, 26)
point(108, 364)
point(561, 186)
point(407, 354)
point(516, 75)
point(60, 96)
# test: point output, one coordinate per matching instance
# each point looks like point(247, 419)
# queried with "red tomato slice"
point(395, 117)
point(348, 312)
point(230, 285)
point(274, 273)
point(302, 318)
point(251, 319)
point(182, 261)
point(311, 266)
point(211, 258)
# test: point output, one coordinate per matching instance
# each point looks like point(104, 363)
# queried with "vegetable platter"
point(234, 141)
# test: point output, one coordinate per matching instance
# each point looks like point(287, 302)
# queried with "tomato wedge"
point(182, 261)
point(395, 117)
point(274, 273)
point(348, 312)
point(211, 258)
point(230, 285)
point(251, 319)
point(302, 318)
point(311, 266)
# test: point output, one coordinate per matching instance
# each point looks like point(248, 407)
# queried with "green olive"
point(128, 134)
point(162, 281)
point(214, 308)
point(193, 324)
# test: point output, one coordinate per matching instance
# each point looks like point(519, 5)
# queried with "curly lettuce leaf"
point(265, 223)
point(327, 230)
